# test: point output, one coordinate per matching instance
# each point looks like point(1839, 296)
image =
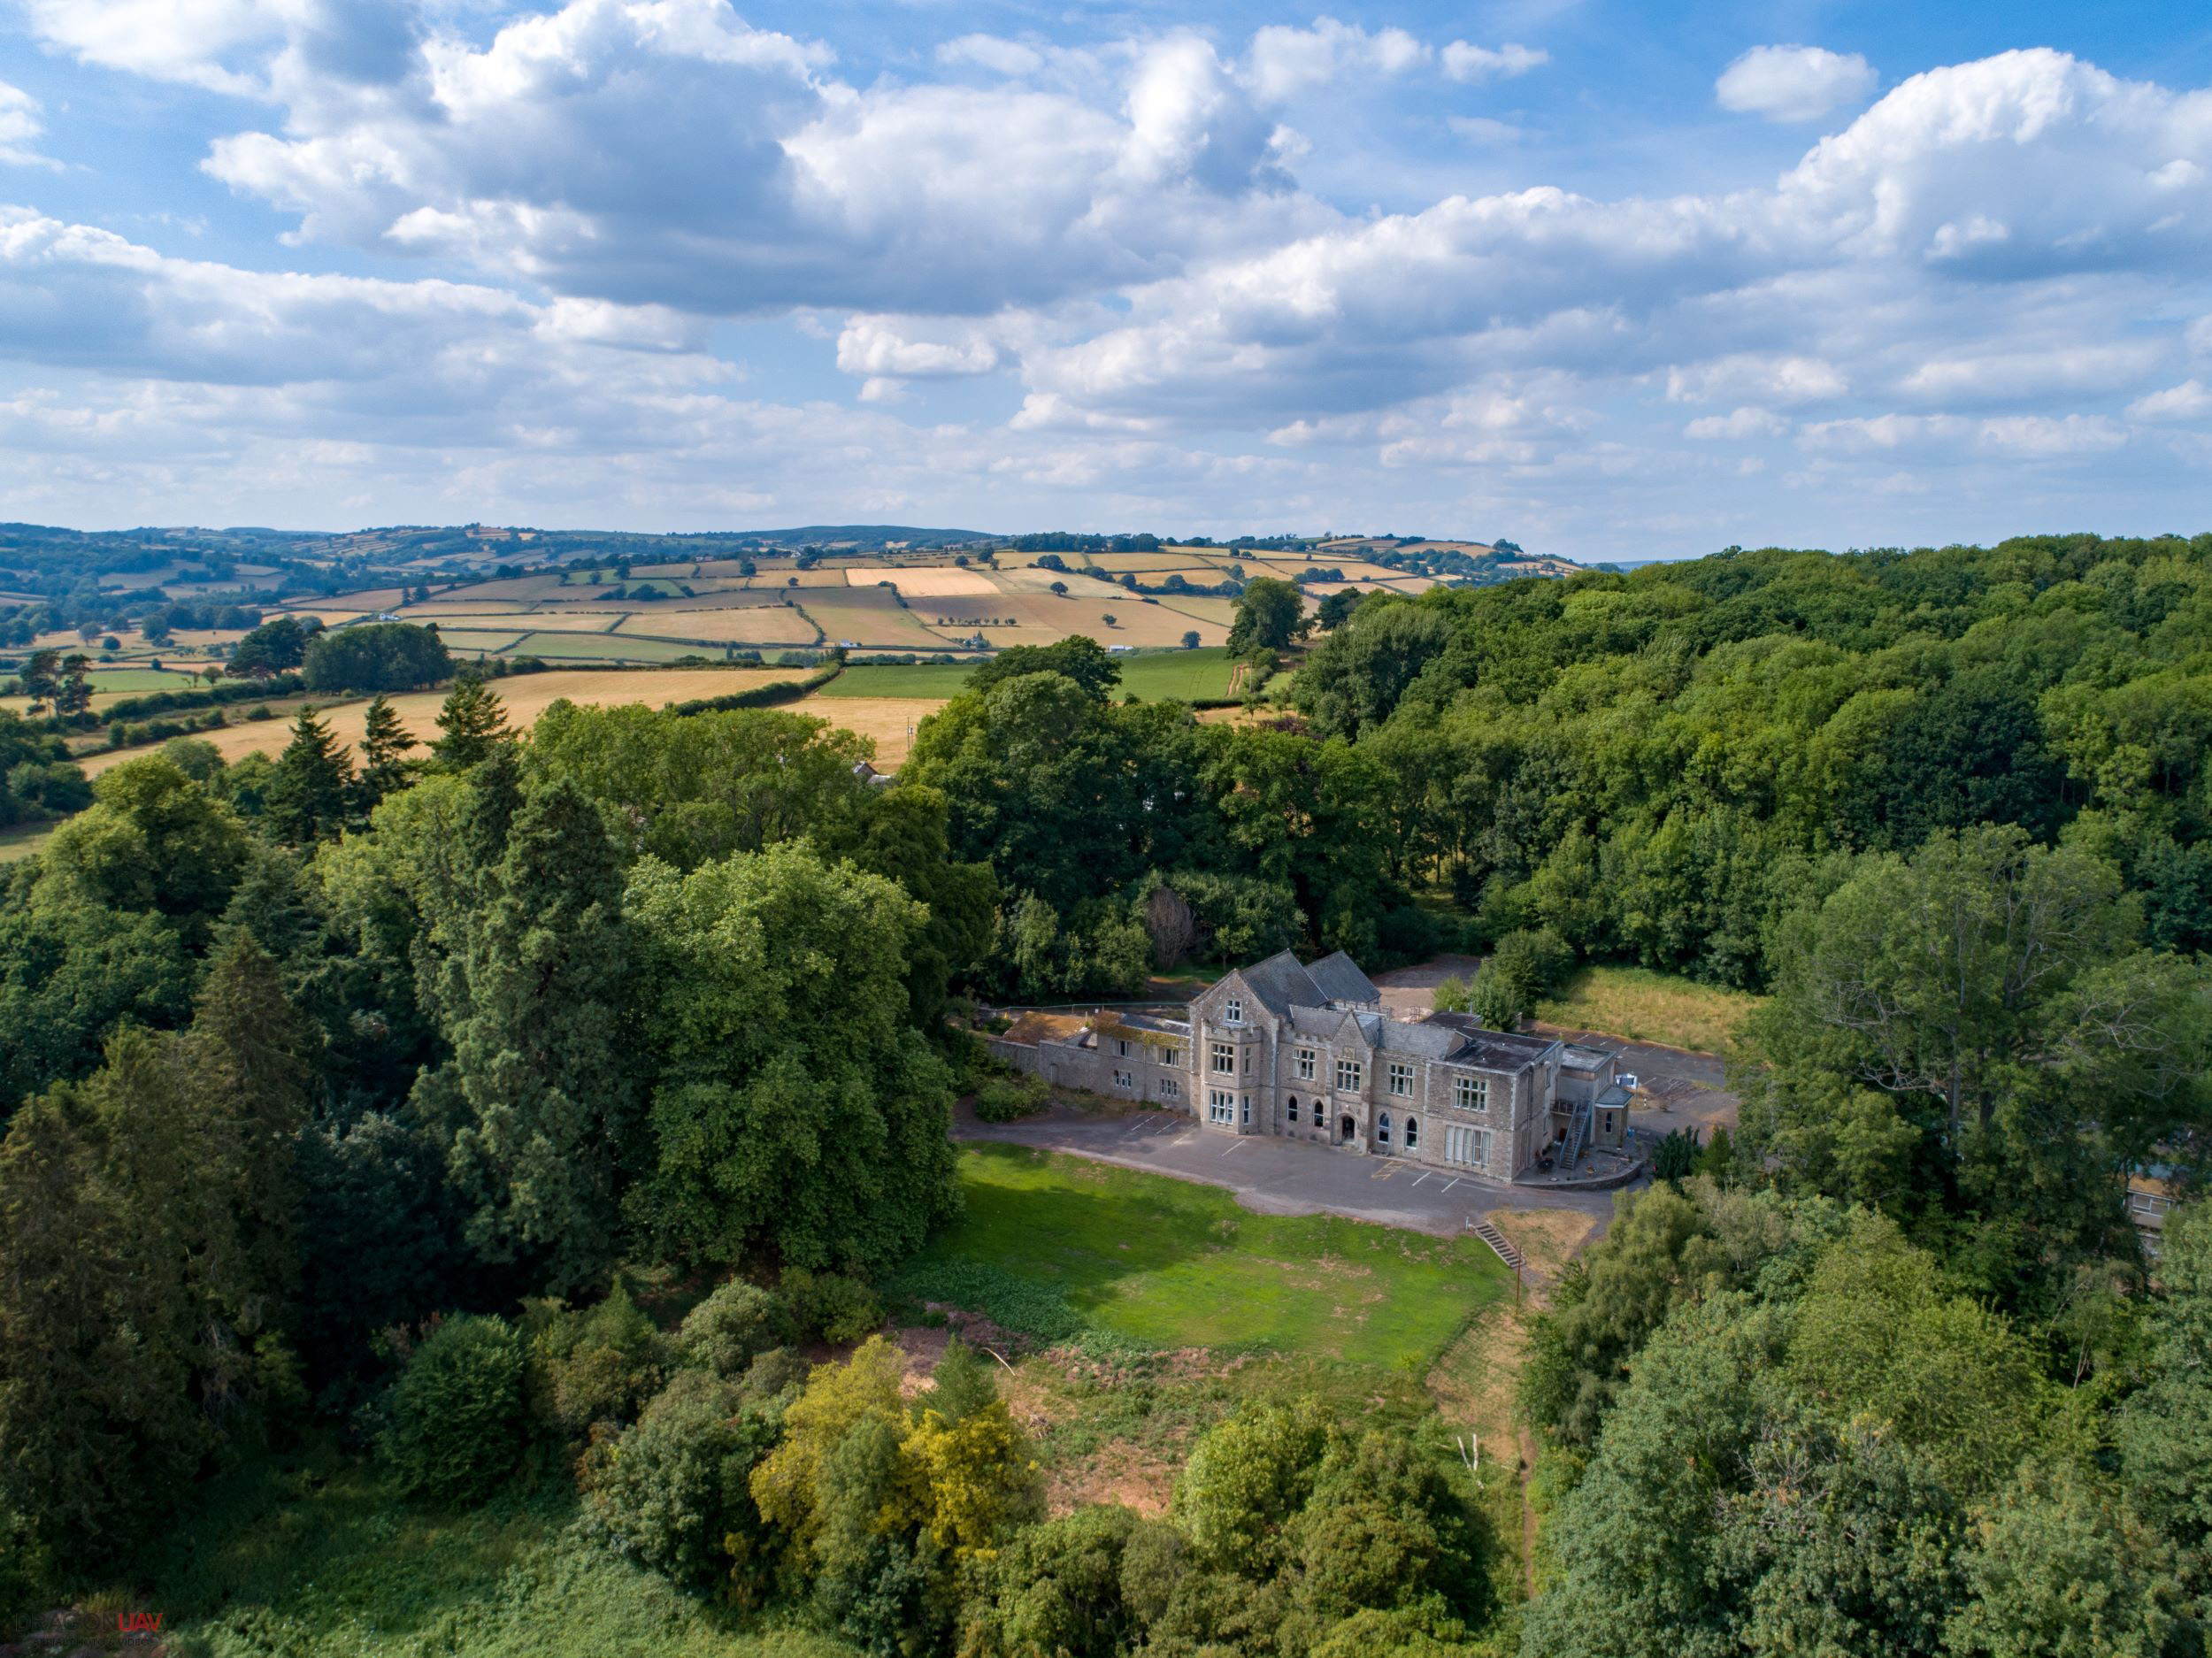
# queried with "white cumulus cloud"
point(1794, 83)
point(1463, 61)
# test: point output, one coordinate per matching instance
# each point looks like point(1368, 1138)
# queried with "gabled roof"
point(1281, 984)
point(1341, 979)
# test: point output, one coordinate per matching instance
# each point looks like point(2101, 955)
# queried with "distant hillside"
point(869, 538)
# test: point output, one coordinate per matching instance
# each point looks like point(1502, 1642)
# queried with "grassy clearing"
point(315, 1556)
point(22, 840)
point(1645, 1006)
point(1053, 1240)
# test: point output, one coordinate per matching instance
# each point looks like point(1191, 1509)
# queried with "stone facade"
point(1307, 1053)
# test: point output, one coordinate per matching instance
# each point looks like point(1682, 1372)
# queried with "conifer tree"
point(532, 1108)
point(310, 794)
point(90, 1401)
point(475, 722)
point(384, 745)
point(253, 1057)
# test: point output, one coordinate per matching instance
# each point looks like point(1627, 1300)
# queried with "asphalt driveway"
point(1280, 1177)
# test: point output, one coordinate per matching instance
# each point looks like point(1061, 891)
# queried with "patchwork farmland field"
point(526, 696)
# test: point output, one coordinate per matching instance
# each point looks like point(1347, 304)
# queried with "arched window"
point(1292, 1103)
point(1382, 1129)
point(1413, 1133)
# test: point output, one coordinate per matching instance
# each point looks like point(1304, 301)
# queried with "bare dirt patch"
point(1134, 1476)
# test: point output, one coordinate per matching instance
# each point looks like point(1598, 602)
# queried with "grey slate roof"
point(1492, 1051)
point(1281, 984)
point(1299, 995)
point(1341, 979)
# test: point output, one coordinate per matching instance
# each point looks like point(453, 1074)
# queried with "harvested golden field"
point(923, 580)
point(888, 721)
point(328, 616)
point(1080, 586)
point(1030, 618)
point(369, 598)
point(770, 623)
point(870, 616)
point(526, 696)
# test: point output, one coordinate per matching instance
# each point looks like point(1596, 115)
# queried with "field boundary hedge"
point(761, 696)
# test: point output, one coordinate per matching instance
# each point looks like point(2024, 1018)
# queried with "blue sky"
point(1614, 280)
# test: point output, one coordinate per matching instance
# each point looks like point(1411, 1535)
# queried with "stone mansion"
point(1307, 1052)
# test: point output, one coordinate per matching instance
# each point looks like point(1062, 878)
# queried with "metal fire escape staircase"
point(1577, 1136)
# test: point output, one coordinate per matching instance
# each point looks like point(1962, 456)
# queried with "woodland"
point(361, 1096)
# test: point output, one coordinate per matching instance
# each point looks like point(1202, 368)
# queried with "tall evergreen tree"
point(93, 1417)
point(533, 1107)
point(475, 722)
point(310, 792)
point(254, 1065)
point(384, 745)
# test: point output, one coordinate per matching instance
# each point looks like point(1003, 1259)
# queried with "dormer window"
point(1232, 1012)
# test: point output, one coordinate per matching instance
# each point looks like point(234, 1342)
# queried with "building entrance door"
point(1345, 1130)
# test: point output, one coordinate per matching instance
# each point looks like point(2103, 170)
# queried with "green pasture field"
point(561, 647)
point(1153, 676)
point(1190, 676)
point(892, 679)
point(1170, 1263)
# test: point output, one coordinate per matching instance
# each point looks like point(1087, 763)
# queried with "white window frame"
point(1401, 1078)
point(1382, 1129)
point(1471, 1093)
point(1170, 1089)
point(1221, 1108)
point(1467, 1145)
point(1225, 1059)
point(1305, 1064)
point(1232, 1011)
point(1349, 1074)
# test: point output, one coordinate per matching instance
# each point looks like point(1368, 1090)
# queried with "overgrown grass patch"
point(316, 1556)
point(1051, 1244)
point(1647, 1006)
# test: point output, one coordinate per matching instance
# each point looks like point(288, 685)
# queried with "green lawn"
point(314, 1556)
point(1647, 1006)
point(1051, 1244)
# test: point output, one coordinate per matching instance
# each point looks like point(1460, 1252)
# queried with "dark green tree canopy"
point(376, 656)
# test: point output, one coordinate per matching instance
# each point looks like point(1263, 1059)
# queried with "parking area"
point(1282, 1177)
